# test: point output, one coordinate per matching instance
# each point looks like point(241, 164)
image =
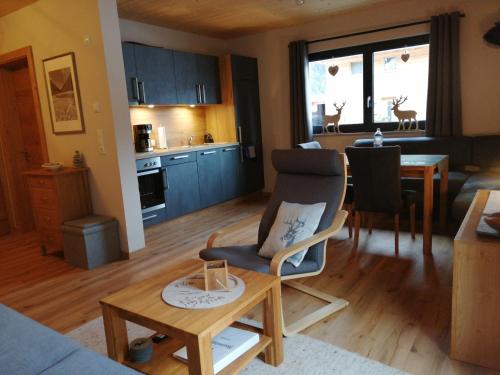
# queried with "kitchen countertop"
point(182, 149)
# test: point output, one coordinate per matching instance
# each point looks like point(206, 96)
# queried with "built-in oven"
point(152, 184)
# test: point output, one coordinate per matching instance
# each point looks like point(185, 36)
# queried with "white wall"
point(479, 62)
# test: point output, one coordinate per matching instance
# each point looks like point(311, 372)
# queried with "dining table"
point(425, 167)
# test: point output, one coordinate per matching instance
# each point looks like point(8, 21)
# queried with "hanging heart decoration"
point(334, 69)
point(405, 56)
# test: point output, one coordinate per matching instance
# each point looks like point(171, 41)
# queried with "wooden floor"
point(399, 311)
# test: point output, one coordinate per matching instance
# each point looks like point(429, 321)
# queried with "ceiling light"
point(151, 106)
point(300, 2)
point(192, 105)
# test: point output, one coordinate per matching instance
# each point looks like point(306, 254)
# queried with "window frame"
point(367, 50)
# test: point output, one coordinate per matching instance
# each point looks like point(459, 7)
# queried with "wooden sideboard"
point(57, 197)
point(475, 326)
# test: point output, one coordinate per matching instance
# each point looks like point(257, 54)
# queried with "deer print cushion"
point(294, 222)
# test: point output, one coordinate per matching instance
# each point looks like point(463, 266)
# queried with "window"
point(356, 87)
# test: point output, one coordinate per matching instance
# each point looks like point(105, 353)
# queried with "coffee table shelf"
point(163, 363)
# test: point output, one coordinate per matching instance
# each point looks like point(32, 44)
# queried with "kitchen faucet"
point(190, 140)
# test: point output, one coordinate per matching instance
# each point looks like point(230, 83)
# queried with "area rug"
point(303, 354)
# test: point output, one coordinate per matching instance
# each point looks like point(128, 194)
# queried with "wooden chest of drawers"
point(57, 197)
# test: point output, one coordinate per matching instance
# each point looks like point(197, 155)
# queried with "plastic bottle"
point(378, 138)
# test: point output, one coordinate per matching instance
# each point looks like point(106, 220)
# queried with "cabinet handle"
point(149, 217)
point(198, 94)
point(142, 87)
point(230, 149)
point(204, 99)
point(240, 140)
point(180, 157)
point(135, 88)
point(208, 152)
point(164, 176)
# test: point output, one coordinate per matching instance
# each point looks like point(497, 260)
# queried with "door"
point(210, 180)
point(130, 72)
point(182, 194)
point(186, 78)
point(22, 140)
point(155, 71)
point(247, 112)
point(208, 78)
point(230, 169)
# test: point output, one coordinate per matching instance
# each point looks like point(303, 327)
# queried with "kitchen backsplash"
point(180, 122)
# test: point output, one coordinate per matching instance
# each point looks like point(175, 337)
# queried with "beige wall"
point(53, 27)
point(479, 63)
point(132, 31)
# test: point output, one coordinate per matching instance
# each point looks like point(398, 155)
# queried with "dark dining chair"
point(304, 177)
point(348, 200)
point(376, 181)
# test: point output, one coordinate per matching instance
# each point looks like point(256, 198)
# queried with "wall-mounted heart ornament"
point(334, 69)
point(405, 56)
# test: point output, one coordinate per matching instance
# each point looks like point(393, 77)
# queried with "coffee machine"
point(142, 137)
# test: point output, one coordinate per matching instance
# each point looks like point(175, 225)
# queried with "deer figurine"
point(404, 115)
point(333, 119)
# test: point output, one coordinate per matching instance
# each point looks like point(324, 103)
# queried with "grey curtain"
point(300, 114)
point(444, 105)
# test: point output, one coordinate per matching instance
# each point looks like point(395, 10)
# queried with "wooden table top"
point(143, 300)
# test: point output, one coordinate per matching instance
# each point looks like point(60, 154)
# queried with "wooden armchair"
point(306, 177)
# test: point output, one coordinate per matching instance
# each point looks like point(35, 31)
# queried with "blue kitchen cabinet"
point(182, 195)
point(210, 177)
point(231, 162)
point(186, 78)
point(207, 70)
point(154, 217)
point(128, 51)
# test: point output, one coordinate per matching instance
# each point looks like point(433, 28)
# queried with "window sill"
point(391, 134)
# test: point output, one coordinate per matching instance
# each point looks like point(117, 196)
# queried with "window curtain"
point(300, 114)
point(444, 106)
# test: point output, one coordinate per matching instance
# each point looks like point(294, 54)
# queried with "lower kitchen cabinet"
point(154, 217)
point(210, 177)
point(232, 183)
point(182, 195)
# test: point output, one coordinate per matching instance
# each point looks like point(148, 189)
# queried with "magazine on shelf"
point(227, 346)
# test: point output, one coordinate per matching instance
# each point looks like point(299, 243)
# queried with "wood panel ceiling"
point(232, 18)
point(9, 6)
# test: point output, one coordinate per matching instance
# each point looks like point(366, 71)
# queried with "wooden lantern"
point(215, 274)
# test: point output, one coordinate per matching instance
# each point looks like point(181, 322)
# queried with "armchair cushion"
point(294, 222)
point(246, 257)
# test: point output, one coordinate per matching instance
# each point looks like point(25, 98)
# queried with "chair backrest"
point(306, 177)
point(310, 145)
point(375, 175)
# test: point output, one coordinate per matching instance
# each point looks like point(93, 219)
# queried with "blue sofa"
point(29, 348)
point(474, 163)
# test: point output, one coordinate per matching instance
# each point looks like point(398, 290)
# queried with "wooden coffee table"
point(142, 304)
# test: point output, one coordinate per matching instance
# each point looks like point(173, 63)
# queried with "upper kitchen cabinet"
point(149, 72)
point(196, 78)
point(207, 68)
point(186, 78)
point(130, 72)
point(155, 72)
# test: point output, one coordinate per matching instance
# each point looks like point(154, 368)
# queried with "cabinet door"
point(186, 80)
point(182, 195)
point(247, 112)
point(231, 178)
point(210, 180)
point(130, 72)
point(208, 78)
point(155, 70)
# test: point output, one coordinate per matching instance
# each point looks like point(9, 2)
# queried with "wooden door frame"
point(22, 54)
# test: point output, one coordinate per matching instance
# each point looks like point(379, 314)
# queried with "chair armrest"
point(281, 256)
point(232, 228)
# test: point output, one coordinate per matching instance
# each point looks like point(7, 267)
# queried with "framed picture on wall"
point(64, 94)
